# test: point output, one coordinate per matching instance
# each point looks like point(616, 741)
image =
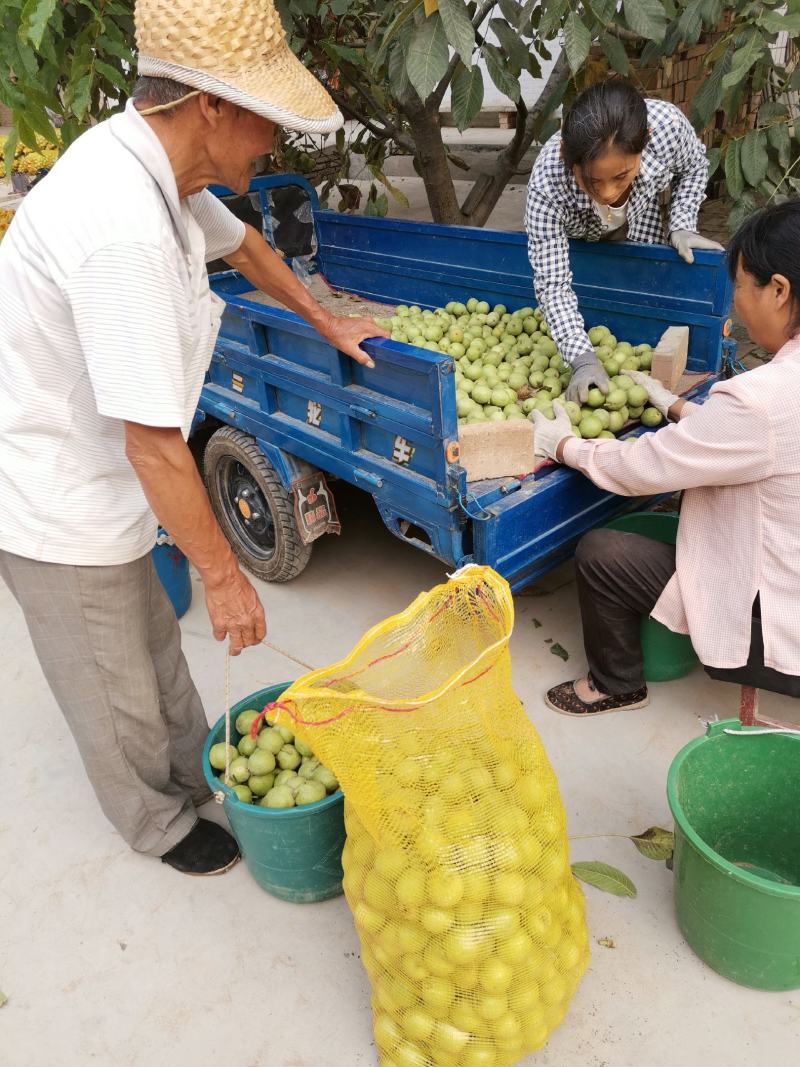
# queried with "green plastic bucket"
point(295, 854)
point(737, 853)
point(667, 655)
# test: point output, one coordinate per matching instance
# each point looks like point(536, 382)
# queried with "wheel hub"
point(247, 508)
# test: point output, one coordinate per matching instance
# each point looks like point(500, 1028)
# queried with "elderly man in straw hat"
point(107, 326)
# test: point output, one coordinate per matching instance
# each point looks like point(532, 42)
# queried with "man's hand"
point(348, 333)
point(657, 394)
point(685, 241)
point(235, 611)
point(549, 433)
point(586, 372)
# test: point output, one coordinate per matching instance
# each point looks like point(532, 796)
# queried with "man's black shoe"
point(206, 849)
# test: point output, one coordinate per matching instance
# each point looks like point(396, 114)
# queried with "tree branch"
point(484, 10)
point(389, 132)
point(486, 191)
point(623, 33)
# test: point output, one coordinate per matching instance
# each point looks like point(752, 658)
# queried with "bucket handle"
point(761, 730)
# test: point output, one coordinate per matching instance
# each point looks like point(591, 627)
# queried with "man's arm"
point(265, 269)
point(168, 475)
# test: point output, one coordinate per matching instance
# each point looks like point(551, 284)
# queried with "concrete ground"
point(111, 958)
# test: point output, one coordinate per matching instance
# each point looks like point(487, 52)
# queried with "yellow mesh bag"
point(456, 869)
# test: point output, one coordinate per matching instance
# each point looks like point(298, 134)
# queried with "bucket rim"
point(714, 733)
point(268, 693)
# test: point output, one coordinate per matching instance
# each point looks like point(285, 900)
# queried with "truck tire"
point(254, 510)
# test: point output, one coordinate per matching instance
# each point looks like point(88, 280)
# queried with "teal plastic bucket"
point(667, 655)
point(737, 853)
point(295, 854)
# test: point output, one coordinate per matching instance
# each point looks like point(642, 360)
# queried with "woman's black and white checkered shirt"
point(558, 209)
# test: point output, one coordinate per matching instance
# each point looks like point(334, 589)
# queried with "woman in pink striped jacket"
point(737, 456)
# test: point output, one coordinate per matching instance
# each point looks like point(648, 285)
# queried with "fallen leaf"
point(537, 624)
point(3, 998)
point(655, 843)
point(557, 650)
point(604, 876)
point(607, 942)
point(548, 640)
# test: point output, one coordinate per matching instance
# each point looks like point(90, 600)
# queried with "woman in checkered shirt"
point(602, 178)
point(732, 581)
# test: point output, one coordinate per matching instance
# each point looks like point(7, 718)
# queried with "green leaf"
point(743, 60)
point(500, 75)
point(775, 22)
point(119, 48)
point(458, 28)
point(26, 132)
point(511, 43)
point(577, 41)
point(713, 155)
point(111, 74)
point(614, 51)
point(712, 12)
point(772, 110)
point(3, 998)
point(690, 22)
point(401, 88)
point(734, 179)
point(466, 95)
point(645, 17)
point(34, 18)
point(80, 96)
point(754, 157)
point(10, 148)
point(603, 876)
point(557, 650)
point(603, 10)
point(781, 140)
point(428, 56)
point(655, 843)
point(709, 96)
point(742, 209)
point(512, 12)
point(406, 12)
point(551, 19)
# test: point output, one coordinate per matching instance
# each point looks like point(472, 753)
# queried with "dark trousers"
point(620, 577)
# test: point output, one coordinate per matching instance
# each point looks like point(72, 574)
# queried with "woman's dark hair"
point(769, 243)
point(609, 114)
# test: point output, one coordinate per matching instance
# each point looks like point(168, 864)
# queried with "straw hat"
point(237, 50)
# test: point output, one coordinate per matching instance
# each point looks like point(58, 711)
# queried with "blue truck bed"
point(388, 430)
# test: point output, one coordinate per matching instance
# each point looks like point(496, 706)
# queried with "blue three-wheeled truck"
point(283, 414)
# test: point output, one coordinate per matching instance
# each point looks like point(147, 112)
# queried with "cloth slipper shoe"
point(563, 699)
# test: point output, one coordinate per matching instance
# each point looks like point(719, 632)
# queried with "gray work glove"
point(658, 395)
point(586, 372)
point(684, 241)
point(549, 433)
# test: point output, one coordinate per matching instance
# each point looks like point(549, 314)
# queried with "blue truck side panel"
point(388, 430)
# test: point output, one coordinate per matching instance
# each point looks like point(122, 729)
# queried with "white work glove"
point(587, 371)
point(658, 395)
point(684, 241)
point(549, 433)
